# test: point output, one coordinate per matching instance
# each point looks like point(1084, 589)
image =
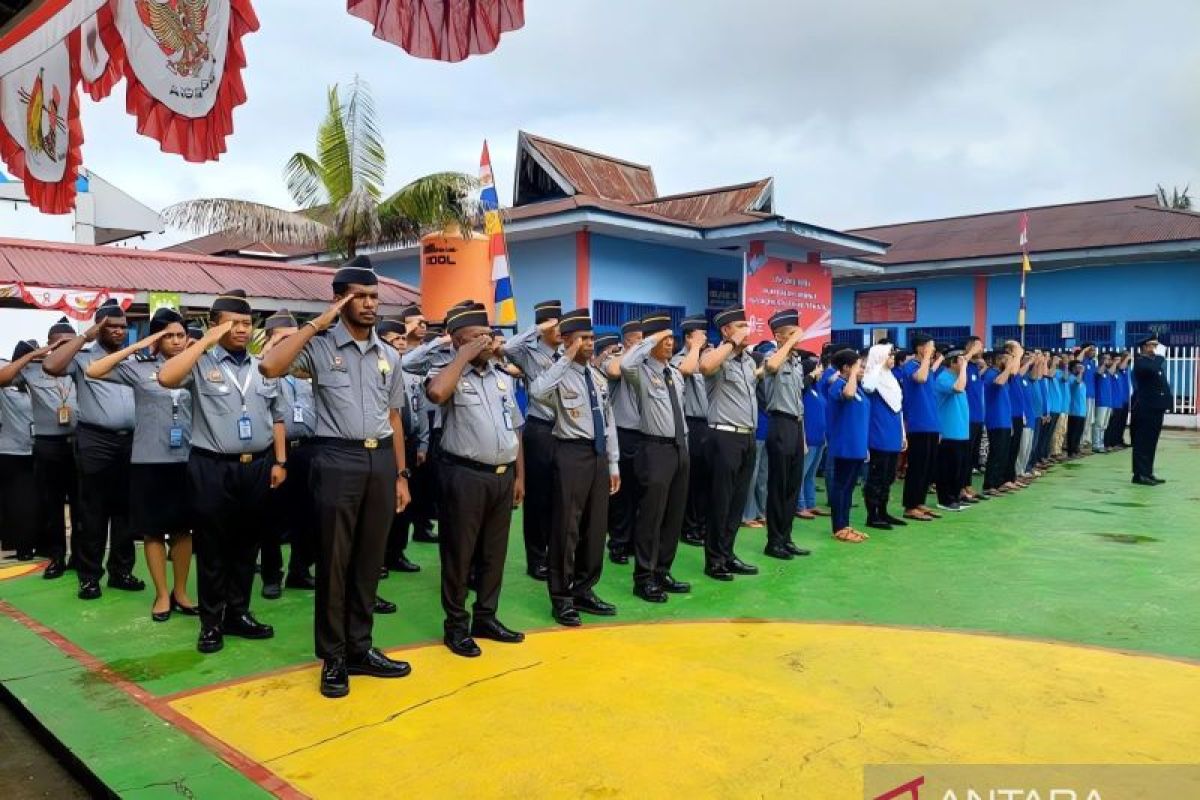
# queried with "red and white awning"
point(445, 30)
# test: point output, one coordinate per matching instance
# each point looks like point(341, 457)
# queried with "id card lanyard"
point(176, 431)
point(297, 408)
point(64, 408)
point(245, 429)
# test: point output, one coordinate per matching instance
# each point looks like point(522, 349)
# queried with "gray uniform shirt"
point(624, 399)
point(48, 393)
point(355, 384)
point(158, 410)
point(299, 409)
point(101, 403)
point(428, 360)
point(563, 387)
point(695, 395)
point(645, 375)
point(217, 404)
point(416, 421)
point(16, 422)
point(533, 356)
point(785, 389)
point(731, 398)
point(481, 418)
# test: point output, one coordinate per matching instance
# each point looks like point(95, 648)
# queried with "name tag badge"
point(175, 437)
point(508, 419)
point(64, 415)
point(298, 414)
point(245, 429)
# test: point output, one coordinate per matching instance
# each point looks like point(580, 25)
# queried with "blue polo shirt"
point(1078, 404)
point(953, 409)
point(975, 401)
point(1121, 400)
point(920, 405)
point(814, 416)
point(1089, 377)
point(886, 433)
point(850, 422)
point(997, 407)
point(1034, 406)
point(1044, 392)
point(1104, 389)
point(1016, 396)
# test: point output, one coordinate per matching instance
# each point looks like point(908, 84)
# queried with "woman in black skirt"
point(18, 492)
point(158, 503)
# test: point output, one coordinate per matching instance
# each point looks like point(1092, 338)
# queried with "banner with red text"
point(772, 284)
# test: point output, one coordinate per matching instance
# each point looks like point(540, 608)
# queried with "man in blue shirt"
point(1077, 408)
point(1087, 356)
point(814, 435)
point(954, 454)
point(1114, 437)
point(848, 434)
point(975, 400)
point(921, 423)
point(1016, 396)
point(1105, 377)
point(998, 419)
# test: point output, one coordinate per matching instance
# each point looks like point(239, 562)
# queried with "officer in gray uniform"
point(732, 418)
point(103, 444)
point(359, 473)
point(239, 455)
point(18, 490)
point(416, 451)
point(586, 471)
point(695, 409)
point(622, 509)
point(784, 384)
point(662, 463)
point(55, 411)
point(482, 476)
point(423, 509)
point(534, 351)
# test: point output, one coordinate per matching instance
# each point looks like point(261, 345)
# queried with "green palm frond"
point(429, 203)
point(368, 159)
point(305, 180)
point(257, 221)
point(333, 150)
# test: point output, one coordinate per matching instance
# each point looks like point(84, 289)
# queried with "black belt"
point(702, 420)
point(658, 439)
point(47, 437)
point(629, 431)
point(101, 429)
point(539, 421)
point(589, 443)
point(478, 466)
point(241, 458)
point(783, 414)
point(353, 444)
point(294, 443)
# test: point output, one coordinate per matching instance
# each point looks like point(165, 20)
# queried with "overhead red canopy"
point(445, 30)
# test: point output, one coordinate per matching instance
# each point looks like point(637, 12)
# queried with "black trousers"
point(696, 512)
point(881, 474)
point(663, 473)
point(407, 520)
point(473, 519)
point(731, 467)
point(230, 505)
point(977, 460)
point(922, 459)
point(102, 460)
point(999, 443)
point(953, 469)
point(623, 506)
point(578, 520)
point(354, 494)
point(1144, 432)
point(293, 518)
point(1114, 434)
point(19, 504)
point(538, 441)
point(1045, 438)
point(1014, 449)
point(424, 485)
point(785, 473)
point(1075, 426)
point(58, 486)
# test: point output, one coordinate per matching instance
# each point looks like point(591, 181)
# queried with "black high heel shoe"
point(162, 616)
point(187, 611)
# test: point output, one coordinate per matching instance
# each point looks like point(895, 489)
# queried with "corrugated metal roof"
point(722, 202)
point(596, 174)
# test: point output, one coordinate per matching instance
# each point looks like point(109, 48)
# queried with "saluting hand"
point(330, 315)
point(573, 350)
point(739, 335)
point(403, 498)
point(696, 339)
point(472, 349)
point(547, 325)
point(614, 484)
point(216, 332)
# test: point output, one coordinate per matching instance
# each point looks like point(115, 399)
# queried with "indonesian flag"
point(505, 303)
point(1025, 265)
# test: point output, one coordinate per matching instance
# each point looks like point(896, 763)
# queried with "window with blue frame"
point(609, 315)
point(1043, 336)
point(1172, 333)
point(950, 334)
point(850, 337)
point(1101, 334)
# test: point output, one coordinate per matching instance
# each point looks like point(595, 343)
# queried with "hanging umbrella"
point(444, 30)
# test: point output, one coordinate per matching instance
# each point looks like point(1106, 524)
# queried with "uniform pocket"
point(217, 398)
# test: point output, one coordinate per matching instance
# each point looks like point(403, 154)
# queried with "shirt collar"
point(221, 354)
point(342, 337)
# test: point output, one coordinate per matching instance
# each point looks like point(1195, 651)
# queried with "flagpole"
point(1024, 269)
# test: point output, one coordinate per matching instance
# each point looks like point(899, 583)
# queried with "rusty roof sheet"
point(596, 174)
point(231, 242)
point(724, 202)
point(1071, 226)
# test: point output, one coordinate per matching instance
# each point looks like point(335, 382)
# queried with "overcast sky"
point(865, 111)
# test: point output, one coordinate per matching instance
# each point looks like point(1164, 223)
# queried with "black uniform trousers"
point(922, 461)
point(623, 506)
point(663, 471)
point(1014, 448)
point(58, 485)
point(785, 473)
point(1045, 437)
point(474, 515)
point(579, 519)
point(1114, 434)
point(977, 459)
point(696, 512)
point(953, 469)
point(1075, 426)
point(407, 520)
point(881, 474)
point(999, 443)
point(19, 504)
point(538, 441)
point(354, 494)
point(293, 518)
point(102, 460)
point(424, 484)
point(1144, 432)
point(731, 467)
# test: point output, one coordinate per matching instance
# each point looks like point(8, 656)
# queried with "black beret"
point(474, 315)
point(696, 322)
point(577, 321)
point(729, 316)
point(62, 326)
point(164, 317)
point(606, 341)
point(656, 322)
point(547, 309)
point(24, 346)
point(356, 270)
point(280, 319)
point(386, 326)
point(632, 326)
point(233, 300)
point(195, 332)
point(109, 308)
point(780, 319)
point(413, 310)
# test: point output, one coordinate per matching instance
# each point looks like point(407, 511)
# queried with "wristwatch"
point(406, 473)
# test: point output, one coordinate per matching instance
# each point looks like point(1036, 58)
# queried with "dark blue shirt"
point(886, 433)
point(1089, 377)
point(975, 401)
point(920, 405)
point(1016, 396)
point(1121, 400)
point(1078, 405)
point(850, 422)
point(997, 405)
point(814, 416)
point(1034, 407)
point(1104, 390)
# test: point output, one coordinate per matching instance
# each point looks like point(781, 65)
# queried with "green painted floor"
point(1082, 556)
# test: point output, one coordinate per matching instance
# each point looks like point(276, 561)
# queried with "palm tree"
point(1178, 200)
point(339, 191)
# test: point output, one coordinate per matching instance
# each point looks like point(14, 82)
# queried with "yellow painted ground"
point(17, 570)
point(706, 710)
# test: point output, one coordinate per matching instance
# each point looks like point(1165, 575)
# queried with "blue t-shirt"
point(851, 419)
point(997, 408)
point(920, 405)
point(953, 410)
point(1121, 399)
point(975, 401)
point(1053, 395)
point(1043, 385)
point(1104, 390)
point(1016, 396)
point(886, 433)
point(814, 416)
point(1089, 377)
point(1034, 407)
point(1078, 406)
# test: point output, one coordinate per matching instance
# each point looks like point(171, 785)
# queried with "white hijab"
point(878, 378)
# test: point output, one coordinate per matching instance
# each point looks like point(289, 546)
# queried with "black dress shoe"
point(428, 537)
point(383, 606)
point(1157, 479)
point(126, 583)
point(246, 627)
point(618, 556)
point(272, 591)
point(377, 665)
point(539, 572)
point(594, 605)
point(211, 640)
point(896, 522)
point(650, 592)
point(1140, 481)
point(383, 573)
point(462, 645)
point(672, 586)
point(54, 569)
point(718, 573)
point(497, 631)
point(24, 555)
point(694, 539)
point(160, 616)
point(739, 567)
point(89, 590)
point(778, 551)
point(565, 614)
point(879, 524)
point(301, 581)
point(187, 611)
point(402, 564)
point(335, 679)
point(797, 550)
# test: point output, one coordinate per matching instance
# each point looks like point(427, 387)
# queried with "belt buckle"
point(370, 444)
point(503, 468)
point(246, 458)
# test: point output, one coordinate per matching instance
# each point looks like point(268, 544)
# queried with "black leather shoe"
point(89, 590)
point(618, 556)
point(565, 614)
point(335, 679)
point(694, 539)
point(650, 592)
point(718, 573)
point(402, 564)
point(739, 567)
point(246, 627)
point(1157, 479)
point(126, 583)
point(778, 551)
point(426, 537)
point(160, 616)
point(1140, 481)
point(383, 606)
point(879, 524)
point(497, 631)
point(211, 640)
point(272, 591)
point(896, 522)
point(672, 586)
point(54, 569)
point(462, 645)
point(301, 581)
point(24, 555)
point(539, 572)
point(377, 665)
point(187, 611)
point(594, 605)
point(797, 550)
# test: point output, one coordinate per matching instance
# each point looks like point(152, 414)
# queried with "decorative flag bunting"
point(505, 304)
point(78, 304)
point(444, 30)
